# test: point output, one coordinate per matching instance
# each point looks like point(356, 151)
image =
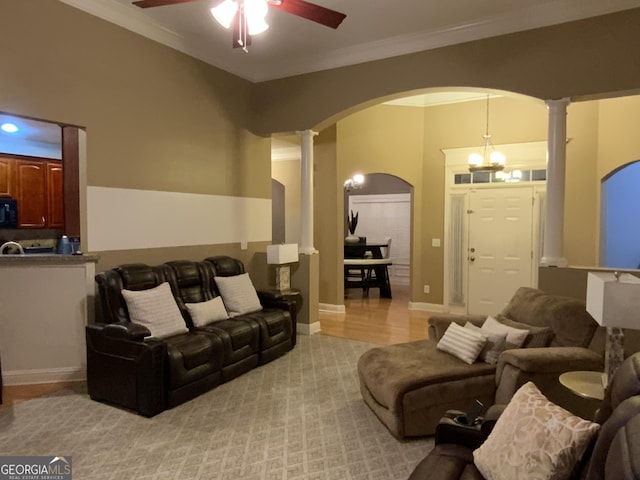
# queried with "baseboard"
point(308, 329)
point(427, 307)
point(331, 308)
point(53, 375)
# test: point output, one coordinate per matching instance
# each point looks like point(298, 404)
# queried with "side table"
point(585, 383)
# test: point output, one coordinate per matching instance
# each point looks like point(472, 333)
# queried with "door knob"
point(472, 259)
point(472, 250)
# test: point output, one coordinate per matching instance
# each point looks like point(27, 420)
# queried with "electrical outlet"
point(426, 289)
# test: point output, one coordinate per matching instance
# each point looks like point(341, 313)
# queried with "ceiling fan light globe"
point(225, 12)
point(255, 12)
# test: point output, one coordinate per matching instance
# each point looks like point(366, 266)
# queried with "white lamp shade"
point(225, 12)
point(614, 302)
point(282, 254)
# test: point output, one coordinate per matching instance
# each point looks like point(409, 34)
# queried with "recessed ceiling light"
point(9, 127)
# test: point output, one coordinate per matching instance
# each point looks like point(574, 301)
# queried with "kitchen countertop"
point(46, 259)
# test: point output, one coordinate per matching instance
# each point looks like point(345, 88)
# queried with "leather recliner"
point(129, 368)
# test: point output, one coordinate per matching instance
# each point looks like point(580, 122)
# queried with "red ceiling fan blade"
point(159, 3)
point(310, 11)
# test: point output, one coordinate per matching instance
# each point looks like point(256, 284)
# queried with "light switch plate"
point(435, 242)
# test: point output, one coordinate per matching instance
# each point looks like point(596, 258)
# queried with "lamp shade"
point(282, 254)
point(614, 301)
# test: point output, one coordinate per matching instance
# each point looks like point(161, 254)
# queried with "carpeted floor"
point(299, 417)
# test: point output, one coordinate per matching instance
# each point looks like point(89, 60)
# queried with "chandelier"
point(490, 160)
point(246, 16)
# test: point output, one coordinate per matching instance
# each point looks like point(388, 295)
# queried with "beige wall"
point(287, 172)
point(587, 58)
point(155, 118)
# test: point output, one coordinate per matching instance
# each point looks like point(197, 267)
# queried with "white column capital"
point(306, 133)
point(558, 103)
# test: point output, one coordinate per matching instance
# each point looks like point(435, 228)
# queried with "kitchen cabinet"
point(7, 181)
point(38, 190)
point(55, 203)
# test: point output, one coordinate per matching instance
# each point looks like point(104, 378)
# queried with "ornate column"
point(557, 152)
point(306, 192)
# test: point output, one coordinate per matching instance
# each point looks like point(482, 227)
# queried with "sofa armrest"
point(126, 330)
point(543, 367)
point(554, 360)
point(438, 324)
point(128, 373)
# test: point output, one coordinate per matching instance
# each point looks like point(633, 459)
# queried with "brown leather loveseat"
point(128, 367)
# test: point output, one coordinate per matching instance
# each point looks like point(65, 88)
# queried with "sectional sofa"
point(171, 332)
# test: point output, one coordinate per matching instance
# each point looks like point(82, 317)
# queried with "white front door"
point(500, 254)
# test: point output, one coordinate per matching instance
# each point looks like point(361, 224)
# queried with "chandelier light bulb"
point(475, 160)
point(497, 158)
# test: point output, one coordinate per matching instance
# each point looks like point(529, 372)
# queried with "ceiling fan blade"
point(159, 3)
point(310, 11)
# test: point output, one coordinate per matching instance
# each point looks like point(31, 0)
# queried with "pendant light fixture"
point(490, 160)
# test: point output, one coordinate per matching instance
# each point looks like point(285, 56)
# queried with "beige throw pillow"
point(493, 346)
point(203, 313)
point(462, 343)
point(156, 309)
point(515, 336)
point(538, 337)
point(533, 438)
point(238, 294)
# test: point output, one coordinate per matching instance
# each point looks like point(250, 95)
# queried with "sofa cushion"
point(238, 294)
point(156, 309)
point(568, 317)
point(534, 438)
point(462, 343)
point(515, 336)
point(206, 312)
point(538, 337)
point(494, 345)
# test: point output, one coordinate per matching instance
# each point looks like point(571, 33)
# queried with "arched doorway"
point(620, 232)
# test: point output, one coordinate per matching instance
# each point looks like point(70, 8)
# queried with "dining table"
point(359, 250)
point(381, 280)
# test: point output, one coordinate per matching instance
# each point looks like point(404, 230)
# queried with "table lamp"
point(281, 255)
point(613, 300)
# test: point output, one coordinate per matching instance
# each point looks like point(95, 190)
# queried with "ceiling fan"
point(246, 17)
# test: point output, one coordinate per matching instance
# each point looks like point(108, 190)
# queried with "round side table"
point(584, 383)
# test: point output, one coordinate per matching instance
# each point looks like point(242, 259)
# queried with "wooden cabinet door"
point(31, 182)
point(6, 177)
point(55, 203)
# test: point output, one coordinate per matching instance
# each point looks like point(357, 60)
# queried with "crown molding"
point(549, 13)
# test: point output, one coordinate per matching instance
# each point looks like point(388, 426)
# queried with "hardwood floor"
point(371, 319)
point(377, 320)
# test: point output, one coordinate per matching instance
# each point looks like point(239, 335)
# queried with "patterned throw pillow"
point(515, 336)
point(493, 347)
point(203, 313)
point(238, 294)
point(156, 309)
point(533, 438)
point(462, 343)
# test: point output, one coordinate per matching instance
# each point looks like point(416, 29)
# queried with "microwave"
point(8, 213)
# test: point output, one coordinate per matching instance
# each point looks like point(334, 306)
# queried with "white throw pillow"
point(462, 343)
point(238, 294)
point(515, 336)
point(203, 313)
point(533, 438)
point(493, 347)
point(156, 309)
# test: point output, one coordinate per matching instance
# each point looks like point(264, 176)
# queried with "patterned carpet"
point(299, 417)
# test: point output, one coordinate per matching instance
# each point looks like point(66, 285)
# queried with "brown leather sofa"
point(613, 455)
point(129, 368)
